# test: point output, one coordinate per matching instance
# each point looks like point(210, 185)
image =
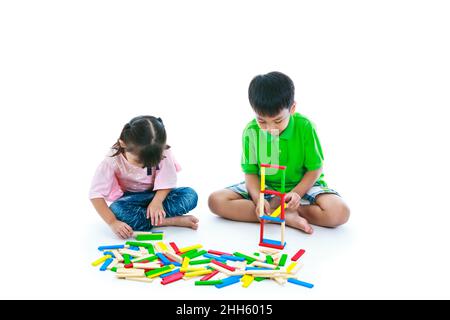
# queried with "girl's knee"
point(191, 198)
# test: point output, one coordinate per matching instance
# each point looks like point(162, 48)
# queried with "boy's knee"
point(214, 200)
point(340, 215)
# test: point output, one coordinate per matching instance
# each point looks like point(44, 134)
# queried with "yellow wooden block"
point(291, 266)
point(162, 246)
point(197, 273)
point(186, 249)
point(185, 263)
point(263, 178)
point(247, 280)
point(277, 211)
point(100, 260)
point(162, 272)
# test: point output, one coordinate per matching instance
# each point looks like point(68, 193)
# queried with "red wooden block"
point(174, 247)
point(272, 166)
point(223, 265)
point(269, 245)
point(298, 255)
point(219, 253)
point(172, 278)
point(128, 266)
point(209, 276)
point(276, 193)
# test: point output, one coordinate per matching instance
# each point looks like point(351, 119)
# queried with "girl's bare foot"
point(295, 221)
point(187, 221)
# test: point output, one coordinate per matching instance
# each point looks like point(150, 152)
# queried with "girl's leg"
point(177, 203)
point(132, 209)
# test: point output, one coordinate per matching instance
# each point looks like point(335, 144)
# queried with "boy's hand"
point(293, 200)
point(155, 212)
point(266, 207)
point(121, 229)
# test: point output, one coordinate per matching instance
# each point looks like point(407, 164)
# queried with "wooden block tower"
point(278, 215)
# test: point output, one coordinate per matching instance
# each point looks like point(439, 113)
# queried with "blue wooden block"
point(232, 258)
point(170, 273)
point(118, 246)
point(274, 242)
point(257, 268)
point(106, 264)
point(300, 283)
point(269, 218)
point(108, 252)
point(134, 248)
point(218, 258)
point(163, 259)
point(228, 281)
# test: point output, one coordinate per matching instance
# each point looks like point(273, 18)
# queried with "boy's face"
point(275, 125)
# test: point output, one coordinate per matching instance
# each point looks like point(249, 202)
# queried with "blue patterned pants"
point(131, 208)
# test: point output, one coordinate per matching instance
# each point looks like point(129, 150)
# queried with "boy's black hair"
point(145, 137)
point(270, 93)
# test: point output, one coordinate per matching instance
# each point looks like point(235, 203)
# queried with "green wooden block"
point(154, 271)
point(260, 279)
point(248, 258)
point(256, 254)
point(196, 254)
point(149, 259)
point(187, 253)
point(126, 259)
point(138, 244)
point(208, 283)
point(155, 236)
point(202, 261)
point(283, 260)
point(269, 259)
point(150, 249)
point(114, 269)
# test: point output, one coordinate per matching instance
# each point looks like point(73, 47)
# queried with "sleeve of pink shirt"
point(104, 184)
point(166, 176)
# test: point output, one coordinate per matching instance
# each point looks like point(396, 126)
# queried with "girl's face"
point(131, 158)
point(275, 125)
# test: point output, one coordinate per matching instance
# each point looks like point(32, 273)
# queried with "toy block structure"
point(278, 216)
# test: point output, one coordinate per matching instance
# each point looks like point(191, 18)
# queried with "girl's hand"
point(266, 207)
point(293, 200)
point(155, 212)
point(121, 229)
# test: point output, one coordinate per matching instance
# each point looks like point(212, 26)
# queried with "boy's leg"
point(328, 210)
point(232, 204)
point(132, 209)
point(177, 203)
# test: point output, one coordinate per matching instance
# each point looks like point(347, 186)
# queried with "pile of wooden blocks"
point(146, 260)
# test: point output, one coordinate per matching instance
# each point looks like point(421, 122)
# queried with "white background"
point(373, 75)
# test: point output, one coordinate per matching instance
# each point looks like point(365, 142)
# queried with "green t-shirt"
point(298, 148)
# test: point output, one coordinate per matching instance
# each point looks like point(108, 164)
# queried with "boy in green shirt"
point(280, 136)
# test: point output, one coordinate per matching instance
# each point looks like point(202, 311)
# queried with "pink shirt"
point(115, 175)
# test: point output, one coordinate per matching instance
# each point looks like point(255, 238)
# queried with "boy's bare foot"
point(295, 221)
point(187, 221)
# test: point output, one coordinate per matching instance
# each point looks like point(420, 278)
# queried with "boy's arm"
point(307, 182)
point(253, 187)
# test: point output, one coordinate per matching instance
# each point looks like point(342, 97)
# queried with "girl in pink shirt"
point(139, 177)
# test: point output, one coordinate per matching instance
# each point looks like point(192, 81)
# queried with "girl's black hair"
point(145, 137)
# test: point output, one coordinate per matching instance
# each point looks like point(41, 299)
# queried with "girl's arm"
point(120, 228)
point(155, 210)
